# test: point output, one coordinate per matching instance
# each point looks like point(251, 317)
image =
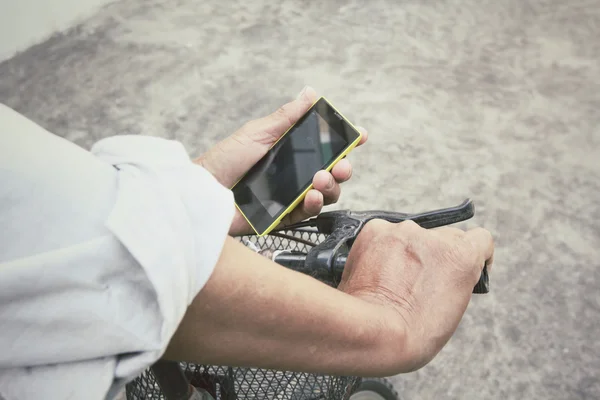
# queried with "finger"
point(268, 129)
point(311, 206)
point(484, 244)
point(364, 135)
point(342, 171)
point(325, 183)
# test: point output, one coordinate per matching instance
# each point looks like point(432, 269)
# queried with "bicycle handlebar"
point(323, 261)
point(296, 260)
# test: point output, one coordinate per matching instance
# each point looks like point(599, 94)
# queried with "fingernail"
point(301, 92)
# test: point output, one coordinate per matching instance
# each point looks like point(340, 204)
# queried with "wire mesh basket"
point(231, 383)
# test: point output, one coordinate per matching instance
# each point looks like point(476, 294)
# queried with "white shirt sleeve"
point(101, 252)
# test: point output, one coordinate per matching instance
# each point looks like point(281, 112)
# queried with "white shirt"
point(100, 254)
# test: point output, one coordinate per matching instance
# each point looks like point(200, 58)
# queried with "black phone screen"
point(287, 170)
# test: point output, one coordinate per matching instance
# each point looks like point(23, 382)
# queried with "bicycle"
point(317, 247)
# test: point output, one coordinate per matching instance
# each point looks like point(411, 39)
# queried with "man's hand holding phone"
point(233, 157)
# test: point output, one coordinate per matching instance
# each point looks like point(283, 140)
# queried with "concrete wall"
point(27, 22)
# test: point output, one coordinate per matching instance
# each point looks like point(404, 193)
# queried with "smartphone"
point(278, 182)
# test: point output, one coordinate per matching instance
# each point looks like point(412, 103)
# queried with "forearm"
point(253, 312)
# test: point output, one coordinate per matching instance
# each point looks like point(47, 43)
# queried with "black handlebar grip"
point(483, 286)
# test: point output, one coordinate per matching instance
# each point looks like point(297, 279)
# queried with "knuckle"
point(484, 243)
point(375, 233)
point(375, 226)
point(254, 131)
point(463, 256)
point(402, 236)
point(460, 251)
point(479, 231)
point(409, 226)
point(283, 114)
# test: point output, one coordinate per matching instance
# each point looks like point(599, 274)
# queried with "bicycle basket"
point(230, 383)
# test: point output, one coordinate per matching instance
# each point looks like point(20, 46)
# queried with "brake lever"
point(329, 221)
point(343, 226)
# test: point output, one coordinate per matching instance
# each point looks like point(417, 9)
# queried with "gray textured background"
point(494, 100)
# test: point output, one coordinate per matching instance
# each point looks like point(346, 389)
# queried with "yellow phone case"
point(299, 199)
